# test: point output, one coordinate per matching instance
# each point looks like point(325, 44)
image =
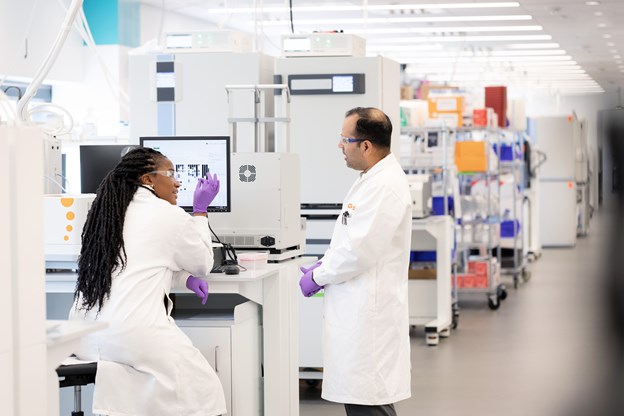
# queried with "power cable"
point(290, 9)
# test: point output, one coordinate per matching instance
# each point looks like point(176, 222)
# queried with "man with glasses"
point(366, 349)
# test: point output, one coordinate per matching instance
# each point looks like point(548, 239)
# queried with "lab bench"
point(270, 319)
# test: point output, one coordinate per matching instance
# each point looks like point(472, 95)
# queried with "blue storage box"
point(507, 228)
point(506, 152)
point(424, 256)
point(437, 205)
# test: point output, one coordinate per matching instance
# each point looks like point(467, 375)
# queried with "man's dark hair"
point(372, 125)
point(103, 249)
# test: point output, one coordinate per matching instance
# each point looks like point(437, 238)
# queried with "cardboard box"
point(422, 274)
point(496, 98)
point(407, 92)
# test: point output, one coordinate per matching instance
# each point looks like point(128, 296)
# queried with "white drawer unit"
point(229, 338)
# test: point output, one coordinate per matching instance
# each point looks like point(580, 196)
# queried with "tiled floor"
point(541, 354)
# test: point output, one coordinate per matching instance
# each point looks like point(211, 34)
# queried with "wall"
point(20, 20)
point(93, 99)
point(155, 22)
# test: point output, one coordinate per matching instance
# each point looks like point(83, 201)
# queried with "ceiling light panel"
point(468, 38)
point(490, 38)
point(452, 29)
point(321, 6)
point(357, 21)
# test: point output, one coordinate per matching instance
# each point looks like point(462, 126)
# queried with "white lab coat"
point(366, 350)
point(146, 365)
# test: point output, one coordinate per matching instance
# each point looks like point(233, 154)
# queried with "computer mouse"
point(231, 269)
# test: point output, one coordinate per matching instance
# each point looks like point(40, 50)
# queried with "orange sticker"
point(570, 185)
point(70, 215)
point(66, 238)
point(69, 228)
point(351, 206)
point(67, 202)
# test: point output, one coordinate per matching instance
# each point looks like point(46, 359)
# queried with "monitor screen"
point(95, 163)
point(194, 157)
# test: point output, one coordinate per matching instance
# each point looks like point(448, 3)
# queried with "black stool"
point(77, 375)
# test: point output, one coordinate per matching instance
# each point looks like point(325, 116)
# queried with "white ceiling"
point(587, 34)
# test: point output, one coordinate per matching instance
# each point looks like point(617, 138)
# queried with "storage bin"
point(506, 153)
point(423, 256)
point(253, 260)
point(470, 156)
point(509, 228)
point(437, 205)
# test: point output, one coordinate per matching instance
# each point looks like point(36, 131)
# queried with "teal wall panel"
point(114, 22)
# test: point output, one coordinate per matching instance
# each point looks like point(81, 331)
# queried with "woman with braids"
point(136, 245)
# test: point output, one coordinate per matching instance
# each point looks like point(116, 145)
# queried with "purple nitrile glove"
point(205, 191)
point(309, 269)
point(199, 286)
point(306, 283)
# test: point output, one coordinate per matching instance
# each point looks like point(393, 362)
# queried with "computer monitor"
point(192, 158)
point(95, 163)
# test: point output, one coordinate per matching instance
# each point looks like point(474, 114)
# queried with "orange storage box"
point(445, 104)
point(470, 156)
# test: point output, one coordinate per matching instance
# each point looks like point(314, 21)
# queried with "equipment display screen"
point(179, 41)
point(296, 45)
point(342, 83)
point(192, 158)
point(310, 84)
point(95, 163)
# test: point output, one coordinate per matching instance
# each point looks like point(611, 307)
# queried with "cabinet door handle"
point(216, 359)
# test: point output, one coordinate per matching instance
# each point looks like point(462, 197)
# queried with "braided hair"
point(103, 249)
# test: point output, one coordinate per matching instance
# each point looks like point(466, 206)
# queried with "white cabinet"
point(6, 381)
point(229, 337)
point(310, 339)
point(214, 342)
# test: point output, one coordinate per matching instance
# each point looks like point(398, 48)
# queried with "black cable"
point(213, 233)
point(19, 91)
point(292, 27)
point(228, 251)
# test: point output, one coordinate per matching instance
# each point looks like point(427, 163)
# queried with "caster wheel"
point(445, 333)
point(312, 383)
point(455, 320)
point(526, 275)
point(501, 292)
point(493, 304)
point(433, 339)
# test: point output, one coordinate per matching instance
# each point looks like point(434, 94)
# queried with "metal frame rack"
point(489, 223)
point(433, 303)
point(512, 166)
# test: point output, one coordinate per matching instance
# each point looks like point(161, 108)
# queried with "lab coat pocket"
point(343, 303)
